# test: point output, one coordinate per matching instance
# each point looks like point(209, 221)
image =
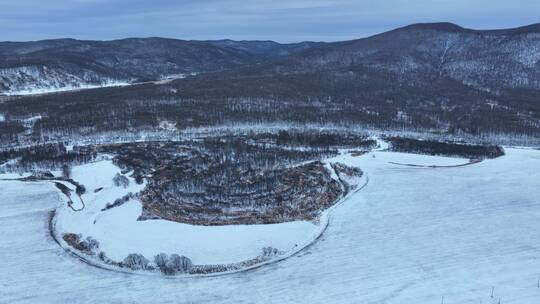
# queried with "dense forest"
point(43, 157)
point(430, 78)
point(281, 100)
point(431, 147)
point(235, 179)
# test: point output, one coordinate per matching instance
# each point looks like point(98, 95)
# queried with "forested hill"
point(437, 75)
point(61, 63)
point(438, 78)
point(487, 60)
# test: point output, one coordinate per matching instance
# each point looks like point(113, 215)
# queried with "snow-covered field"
point(410, 236)
point(120, 234)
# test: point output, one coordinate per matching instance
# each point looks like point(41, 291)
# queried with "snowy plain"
point(410, 236)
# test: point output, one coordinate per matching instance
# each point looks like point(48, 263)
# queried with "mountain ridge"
point(452, 27)
point(61, 63)
point(451, 82)
point(485, 59)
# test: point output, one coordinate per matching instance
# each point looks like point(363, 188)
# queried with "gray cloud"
point(291, 20)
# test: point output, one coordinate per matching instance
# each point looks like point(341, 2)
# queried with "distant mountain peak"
point(532, 28)
point(437, 26)
point(454, 28)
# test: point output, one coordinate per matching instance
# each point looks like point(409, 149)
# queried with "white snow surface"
point(120, 234)
point(66, 88)
point(410, 236)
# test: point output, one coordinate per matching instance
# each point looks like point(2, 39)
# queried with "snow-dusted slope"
point(38, 79)
point(420, 53)
point(50, 65)
point(410, 236)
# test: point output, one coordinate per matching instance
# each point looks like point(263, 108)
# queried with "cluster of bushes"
point(267, 254)
point(87, 245)
point(348, 176)
point(120, 180)
point(270, 252)
point(314, 138)
point(135, 261)
point(431, 147)
point(45, 157)
point(119, 201)
point(177, 264)
point(173, 264)
point(80, 189)
point(63, 188)
point(169, 265)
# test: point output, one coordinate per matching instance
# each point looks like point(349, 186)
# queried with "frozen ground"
point(410, 236)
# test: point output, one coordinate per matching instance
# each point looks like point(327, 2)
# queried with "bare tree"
point(120, 181)
point(135, 261)
point(66, 171)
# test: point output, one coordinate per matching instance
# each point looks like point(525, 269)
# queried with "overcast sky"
point(280, 20)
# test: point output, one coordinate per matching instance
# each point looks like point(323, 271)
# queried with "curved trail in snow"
point(325, 223)
point(437, 166)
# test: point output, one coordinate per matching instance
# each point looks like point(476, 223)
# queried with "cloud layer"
point(285, 21)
